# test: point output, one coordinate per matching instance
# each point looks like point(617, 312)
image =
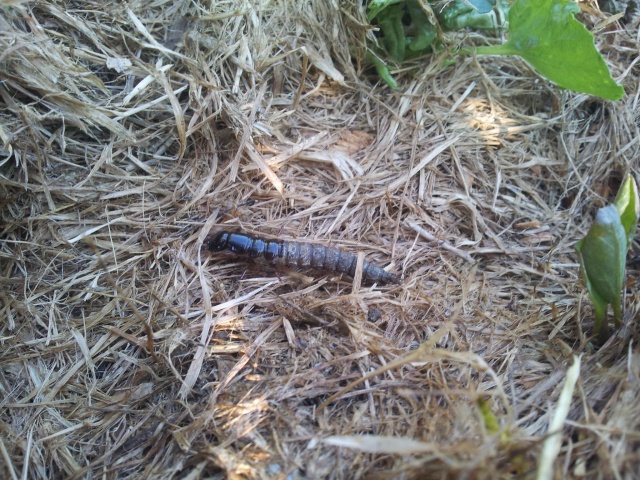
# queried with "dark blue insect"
point(297, 254)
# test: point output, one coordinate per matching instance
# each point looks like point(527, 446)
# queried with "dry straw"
point(130, 131)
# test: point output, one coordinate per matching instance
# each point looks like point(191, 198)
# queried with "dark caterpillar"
point(297, 254)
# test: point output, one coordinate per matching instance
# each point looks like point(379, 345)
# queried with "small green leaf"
point(546, 34)
point(628, 207)
point(382, 69)
point(490, 420)
point(599, 304)
point(421, 29)
point(602, 255)
point(477, 14)
point(393, 30)
point(377, 6)
point(449, 16)
point(483, 6)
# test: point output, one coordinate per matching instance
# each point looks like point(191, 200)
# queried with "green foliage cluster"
point(546, 34)
point(543, 32)
point(603, 252)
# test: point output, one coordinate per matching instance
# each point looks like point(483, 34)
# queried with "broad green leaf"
point(628, 207)
point(602, 255)
point(546, 34)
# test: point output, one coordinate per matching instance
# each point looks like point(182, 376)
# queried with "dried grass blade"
point(428, 158)
point(198, 358)
point(551, 445)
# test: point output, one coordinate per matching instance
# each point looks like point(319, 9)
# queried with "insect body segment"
point(297, 254)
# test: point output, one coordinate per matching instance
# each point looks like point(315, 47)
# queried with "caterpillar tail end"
point(391, 278)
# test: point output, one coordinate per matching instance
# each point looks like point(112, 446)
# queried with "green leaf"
point(546, 34)
point(449, 16)
point(602, 255)
point(382, 69)
point(393, 30)
point(628, 207)
point(377, 6)
point(490, 421)
point(477, 14)
point(483, 6)
point(421, 29)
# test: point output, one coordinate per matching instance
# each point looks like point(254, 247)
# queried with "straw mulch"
point(130, 132)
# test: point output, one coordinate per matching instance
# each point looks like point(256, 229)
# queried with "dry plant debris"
point(130, 131)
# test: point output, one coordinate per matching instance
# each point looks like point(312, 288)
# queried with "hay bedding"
point(131, 131)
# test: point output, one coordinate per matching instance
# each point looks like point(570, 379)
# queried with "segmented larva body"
point(297, 254)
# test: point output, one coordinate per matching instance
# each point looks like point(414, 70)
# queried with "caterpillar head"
point(219, 242)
